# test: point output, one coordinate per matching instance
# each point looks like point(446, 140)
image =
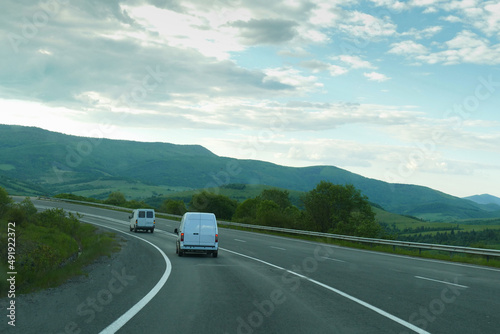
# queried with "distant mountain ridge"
point(50, 162)
point(484, 199)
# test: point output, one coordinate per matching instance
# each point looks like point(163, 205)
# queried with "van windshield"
point(142, 214)
point(150, 214)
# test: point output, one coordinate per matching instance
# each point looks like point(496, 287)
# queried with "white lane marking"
point(239, 240)
point(343, 294)
point(444, 282)
point(124, 318)
point(278, 248)
point(329, 258)
point(456, 264)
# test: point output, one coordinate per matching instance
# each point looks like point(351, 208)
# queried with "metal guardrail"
point(395, 243)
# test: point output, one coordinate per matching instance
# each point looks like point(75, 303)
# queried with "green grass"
point(100, 189)
point(52, 248)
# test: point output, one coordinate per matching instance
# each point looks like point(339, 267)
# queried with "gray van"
point(142, 219)
point(197, 233)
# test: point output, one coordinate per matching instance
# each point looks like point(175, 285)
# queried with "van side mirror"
point(176, 231)
point(130, 217)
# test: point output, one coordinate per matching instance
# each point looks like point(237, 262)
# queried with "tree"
point(246, 212)
point(271, 208)
point(281, 198)
point(5, 201)
point(174, 207)
point(340, 209)
point(116, 198)
point(222, 206)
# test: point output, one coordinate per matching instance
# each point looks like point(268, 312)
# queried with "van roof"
point(199, 214)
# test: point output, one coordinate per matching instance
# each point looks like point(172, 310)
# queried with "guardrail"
point(394, 243)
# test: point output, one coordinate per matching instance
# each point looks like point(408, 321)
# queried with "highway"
point(259, 284)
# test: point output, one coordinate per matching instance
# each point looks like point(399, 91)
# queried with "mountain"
point(36, 161)
point(485, 199)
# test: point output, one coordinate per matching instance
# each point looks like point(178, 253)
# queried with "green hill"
point(35, 161)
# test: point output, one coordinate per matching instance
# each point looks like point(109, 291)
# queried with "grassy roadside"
point(50, 246)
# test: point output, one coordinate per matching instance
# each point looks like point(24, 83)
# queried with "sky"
point(399, 91)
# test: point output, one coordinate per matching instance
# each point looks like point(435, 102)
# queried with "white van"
point(198, 232)
point(142, 219)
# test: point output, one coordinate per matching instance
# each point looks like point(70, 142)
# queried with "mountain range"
point(34, 161)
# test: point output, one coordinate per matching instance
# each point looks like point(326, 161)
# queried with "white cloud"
point(465, 47)
point(354, 62)
point(423, 33)
point(362, 25)
point(317, 66)
point(407, 48)
point(451, 19)
point(375, 76)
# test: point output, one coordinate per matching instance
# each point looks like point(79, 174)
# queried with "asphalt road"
point(259, 284)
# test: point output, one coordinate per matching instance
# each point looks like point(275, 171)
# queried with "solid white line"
point(239, 240)
point(277, 248)
point(343, 294)
point(121, 321)
point(329, 258)
point(448, 283)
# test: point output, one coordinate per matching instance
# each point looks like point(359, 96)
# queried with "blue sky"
point(405, 92)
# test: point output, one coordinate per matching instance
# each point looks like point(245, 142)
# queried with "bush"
point(174, 207)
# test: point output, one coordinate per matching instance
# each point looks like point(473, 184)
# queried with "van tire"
point(214, 254)
point(135, 228)
point(181, 253)
point(152, 230)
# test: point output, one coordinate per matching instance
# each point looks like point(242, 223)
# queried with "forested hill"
point(36, 161)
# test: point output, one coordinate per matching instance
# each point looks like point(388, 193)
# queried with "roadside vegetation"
point(50, 246)
point(330, 208)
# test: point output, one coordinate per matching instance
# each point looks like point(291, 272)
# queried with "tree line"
point(329, 208)
point(478, 239)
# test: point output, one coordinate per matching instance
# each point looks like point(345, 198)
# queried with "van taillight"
point(216, 238)
point(154, 222)
point(182, 236)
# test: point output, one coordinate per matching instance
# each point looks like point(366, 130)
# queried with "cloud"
point(266, 31)
point(317, 66)
point(451, 19)
point(407, 48)
point(465, 47)
point(365, 26)
point(423, 33)
point(354, 62)
point(375, 76)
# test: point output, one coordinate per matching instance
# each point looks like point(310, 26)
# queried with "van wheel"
point(130, 228)
point(214, 254)
point(152, 230)
point(135, 228)
point(181, 253)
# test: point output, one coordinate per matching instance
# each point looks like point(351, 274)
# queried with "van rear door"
point(192, 230)
point(207, 230)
